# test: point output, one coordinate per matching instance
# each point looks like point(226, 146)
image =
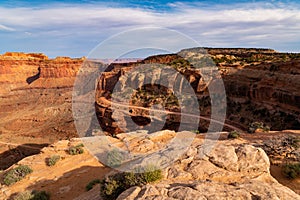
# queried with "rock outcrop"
point(261, 85)
point(233, 169)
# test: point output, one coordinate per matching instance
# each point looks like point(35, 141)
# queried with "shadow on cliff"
point(12, 156)
point(70, 185)
point(31, 79)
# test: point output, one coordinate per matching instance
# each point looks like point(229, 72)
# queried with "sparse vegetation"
point(258, 125)
point(16, 174)
point(233, 135)
point(75, 150)
point(114, 185)
point(26, 195)
point(114, 158)
point(40, 195)
point(91, 184)
point(195, 131)
point(33, 195)
point(52, 160)
point(291, 140)
point(291, 170)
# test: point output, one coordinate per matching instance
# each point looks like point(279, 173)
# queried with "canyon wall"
point(261, 85)
point(35, 95)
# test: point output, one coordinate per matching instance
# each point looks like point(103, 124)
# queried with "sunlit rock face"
point(260, 84)
point(36, 95)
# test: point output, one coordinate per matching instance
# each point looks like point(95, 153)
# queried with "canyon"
point(261, 85)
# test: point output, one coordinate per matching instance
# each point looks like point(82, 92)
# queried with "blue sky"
point(73, 28)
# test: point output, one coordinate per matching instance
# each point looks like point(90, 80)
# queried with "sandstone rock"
point(252, 159)
point(181, 192)
point(224, 157)
point(130, 194)
point(228, 172)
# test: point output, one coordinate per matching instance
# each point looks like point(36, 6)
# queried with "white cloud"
point(228, 26)
point(5, 28)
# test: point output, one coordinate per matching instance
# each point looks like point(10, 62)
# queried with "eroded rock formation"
point(35, 95)
point(233, 169)
point(260, 85)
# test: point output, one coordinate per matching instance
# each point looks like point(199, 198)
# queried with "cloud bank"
point(73, 30)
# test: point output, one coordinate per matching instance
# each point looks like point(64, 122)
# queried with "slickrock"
point(230, 171)
point(233, 169)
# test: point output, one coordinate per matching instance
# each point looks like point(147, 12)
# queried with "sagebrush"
point(33, 195)
point(52, 160)
point(114, 185)
point(75, 150)
point(291, 170)
point(233, 135)
point(16, 174)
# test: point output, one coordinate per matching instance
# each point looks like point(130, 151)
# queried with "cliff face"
point(261, 85)
point(35, 95)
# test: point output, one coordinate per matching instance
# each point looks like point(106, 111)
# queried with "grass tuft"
point(114, 185)
point(52, 160)
point(16, 174)
point(75, 150)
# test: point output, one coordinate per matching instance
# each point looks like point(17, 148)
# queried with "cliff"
point(35, 95)
point(260, 84)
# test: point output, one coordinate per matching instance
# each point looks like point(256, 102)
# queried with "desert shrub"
point(114, 185)
point(75, 150)
point(195, 131)
point(114, 158)
point(233, 135)
point(16, 174)
point(111, 187)
point(293, 141)
point(91, 184)
point(52, 160)
point(33, 195)
point(291, 170)
point(26, 195)
point(258, 125)
point(40, 195)
point(274, 68)
point(148, 174)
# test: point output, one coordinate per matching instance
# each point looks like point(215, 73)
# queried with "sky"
point(73, 27)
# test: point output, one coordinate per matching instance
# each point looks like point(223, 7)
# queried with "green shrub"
point(91, 184)
point(52, 160)
point(293, 141)
point(75, 150)
point(114, 158)
point(27, 195)
point(233, 135)
point(291, 170)
point(16, 174)
point(195, 131)
point(32, 195)
point(40, 195)
point(148, 174)
point(258, 125)
point(114, 185)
